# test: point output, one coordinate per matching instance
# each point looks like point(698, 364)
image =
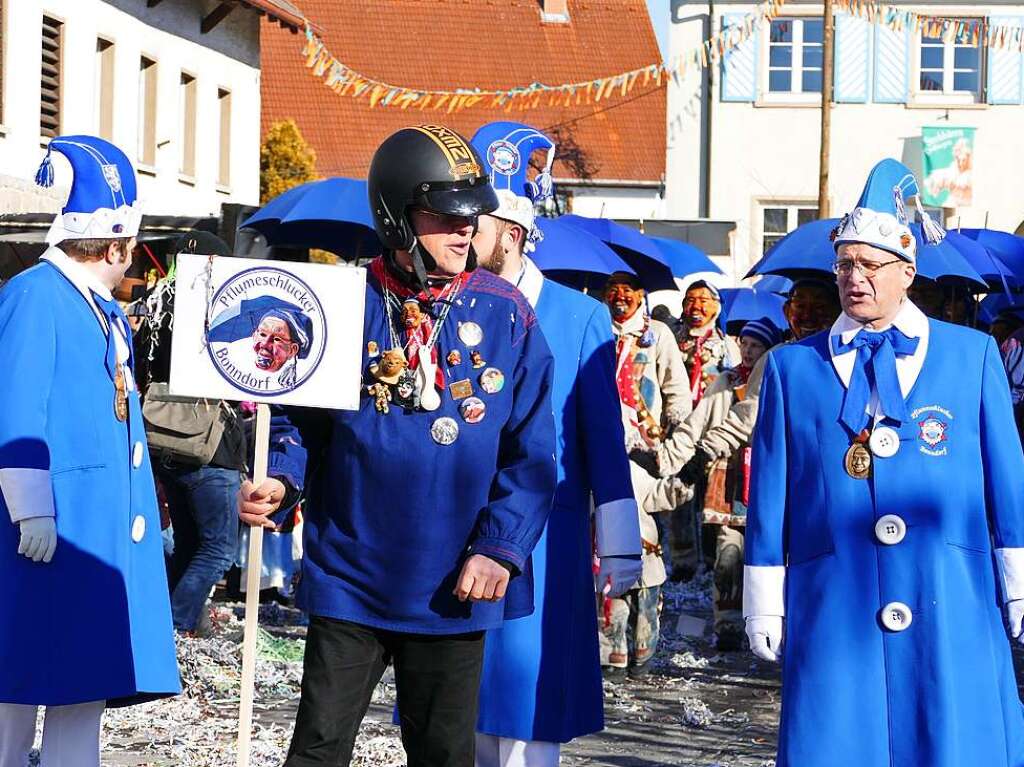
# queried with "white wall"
point(762, 153)
point(161, 190)
point(615, 202)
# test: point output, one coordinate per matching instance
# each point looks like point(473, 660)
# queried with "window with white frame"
point(795, 48)
point(779, 219)
point(951, 60)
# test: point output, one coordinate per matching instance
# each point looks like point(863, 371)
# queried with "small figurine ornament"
point(389, 367)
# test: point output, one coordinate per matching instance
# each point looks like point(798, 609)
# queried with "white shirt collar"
point(910, 321)
point(80, 277)
point(531, 283)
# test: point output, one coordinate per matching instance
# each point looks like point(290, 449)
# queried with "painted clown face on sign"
point(273, 344)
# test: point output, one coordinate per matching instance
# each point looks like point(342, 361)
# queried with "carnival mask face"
point(445, 237)
point(700, 307)
point(412, 315)
point(273, 344)
point(810, 309)
point(876, 298)
point(623, 300)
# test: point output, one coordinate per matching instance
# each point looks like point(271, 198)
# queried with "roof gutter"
point(610, 182)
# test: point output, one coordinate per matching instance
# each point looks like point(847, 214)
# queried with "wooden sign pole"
point(254, 567)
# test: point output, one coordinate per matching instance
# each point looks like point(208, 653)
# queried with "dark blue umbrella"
point(637, 250)
point(566, 248)
point(994, 304)
point(740, 305)
point(333, 214)
point(684, 259)
point(242, 319)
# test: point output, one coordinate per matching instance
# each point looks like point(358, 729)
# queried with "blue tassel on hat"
point(44, 176)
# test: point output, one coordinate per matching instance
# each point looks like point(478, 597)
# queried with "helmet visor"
point(461, 200)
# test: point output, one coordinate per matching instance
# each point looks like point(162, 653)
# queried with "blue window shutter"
point(739, 65)
point(892, 65)
point(852, 59)
point(1005, 68)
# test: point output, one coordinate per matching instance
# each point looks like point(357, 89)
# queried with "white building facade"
point(173, 84)
point(744, 137)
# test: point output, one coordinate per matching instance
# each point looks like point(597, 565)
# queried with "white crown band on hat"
point(102, 223)
point(880, 230)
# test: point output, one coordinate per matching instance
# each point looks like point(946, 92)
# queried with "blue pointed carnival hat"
point(102, 202)
point(880, 218)
point(506, 148)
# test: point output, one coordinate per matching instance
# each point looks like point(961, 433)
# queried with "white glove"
point(764, 632)
point(1015, 618)
point(38, 538)
point(618, 574)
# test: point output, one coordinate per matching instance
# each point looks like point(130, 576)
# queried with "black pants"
point(437, 680)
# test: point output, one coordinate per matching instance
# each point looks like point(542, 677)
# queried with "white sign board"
point(268, 331)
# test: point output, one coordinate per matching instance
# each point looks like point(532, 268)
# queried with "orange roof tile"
point(487, 44)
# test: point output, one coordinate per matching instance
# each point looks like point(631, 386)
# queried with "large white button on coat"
point(890, 529)
point(884, 442)
point(138, 528)
point(896, 616)
point(137, 455)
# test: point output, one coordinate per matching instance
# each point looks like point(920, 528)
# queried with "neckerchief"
point(875, 367)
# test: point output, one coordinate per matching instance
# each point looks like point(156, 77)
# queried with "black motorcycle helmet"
point(429, 167)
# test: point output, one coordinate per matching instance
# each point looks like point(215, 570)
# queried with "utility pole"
point(828, 45)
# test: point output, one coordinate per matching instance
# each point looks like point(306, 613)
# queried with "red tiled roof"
point(486, 44)
point(280, 11)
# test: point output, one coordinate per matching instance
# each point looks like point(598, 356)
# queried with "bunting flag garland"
point(345, 81)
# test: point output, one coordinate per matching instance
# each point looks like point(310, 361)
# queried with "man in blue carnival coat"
point(424, 502)
point(886, 522)
point(542, 677)
point(85, 620)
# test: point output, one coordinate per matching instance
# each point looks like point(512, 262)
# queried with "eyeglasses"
point(448, 220)
point(867, 269)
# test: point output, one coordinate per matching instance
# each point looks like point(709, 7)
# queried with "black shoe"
point(613, 673)
point(639, 672)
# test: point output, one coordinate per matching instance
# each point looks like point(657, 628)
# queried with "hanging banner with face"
point(268, 331)
point(948, 161)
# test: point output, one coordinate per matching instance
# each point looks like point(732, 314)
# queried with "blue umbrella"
point(684, 259)
point(741, 305)
point(991, 306)
point(773, 283)
point(1007, 248)
point(808, 251)
point(333, 214)
point(567, 248)
point(637, 250)
point(985, 262)
point(944, 262)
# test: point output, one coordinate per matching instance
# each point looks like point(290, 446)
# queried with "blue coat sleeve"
point(765, 571)
point(1003, 463)
point(524, 485)
point(28, 336)
point(289, 451)
point(765, 540)
point(600, 414)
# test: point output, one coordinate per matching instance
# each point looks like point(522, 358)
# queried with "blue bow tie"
point(875, 366)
